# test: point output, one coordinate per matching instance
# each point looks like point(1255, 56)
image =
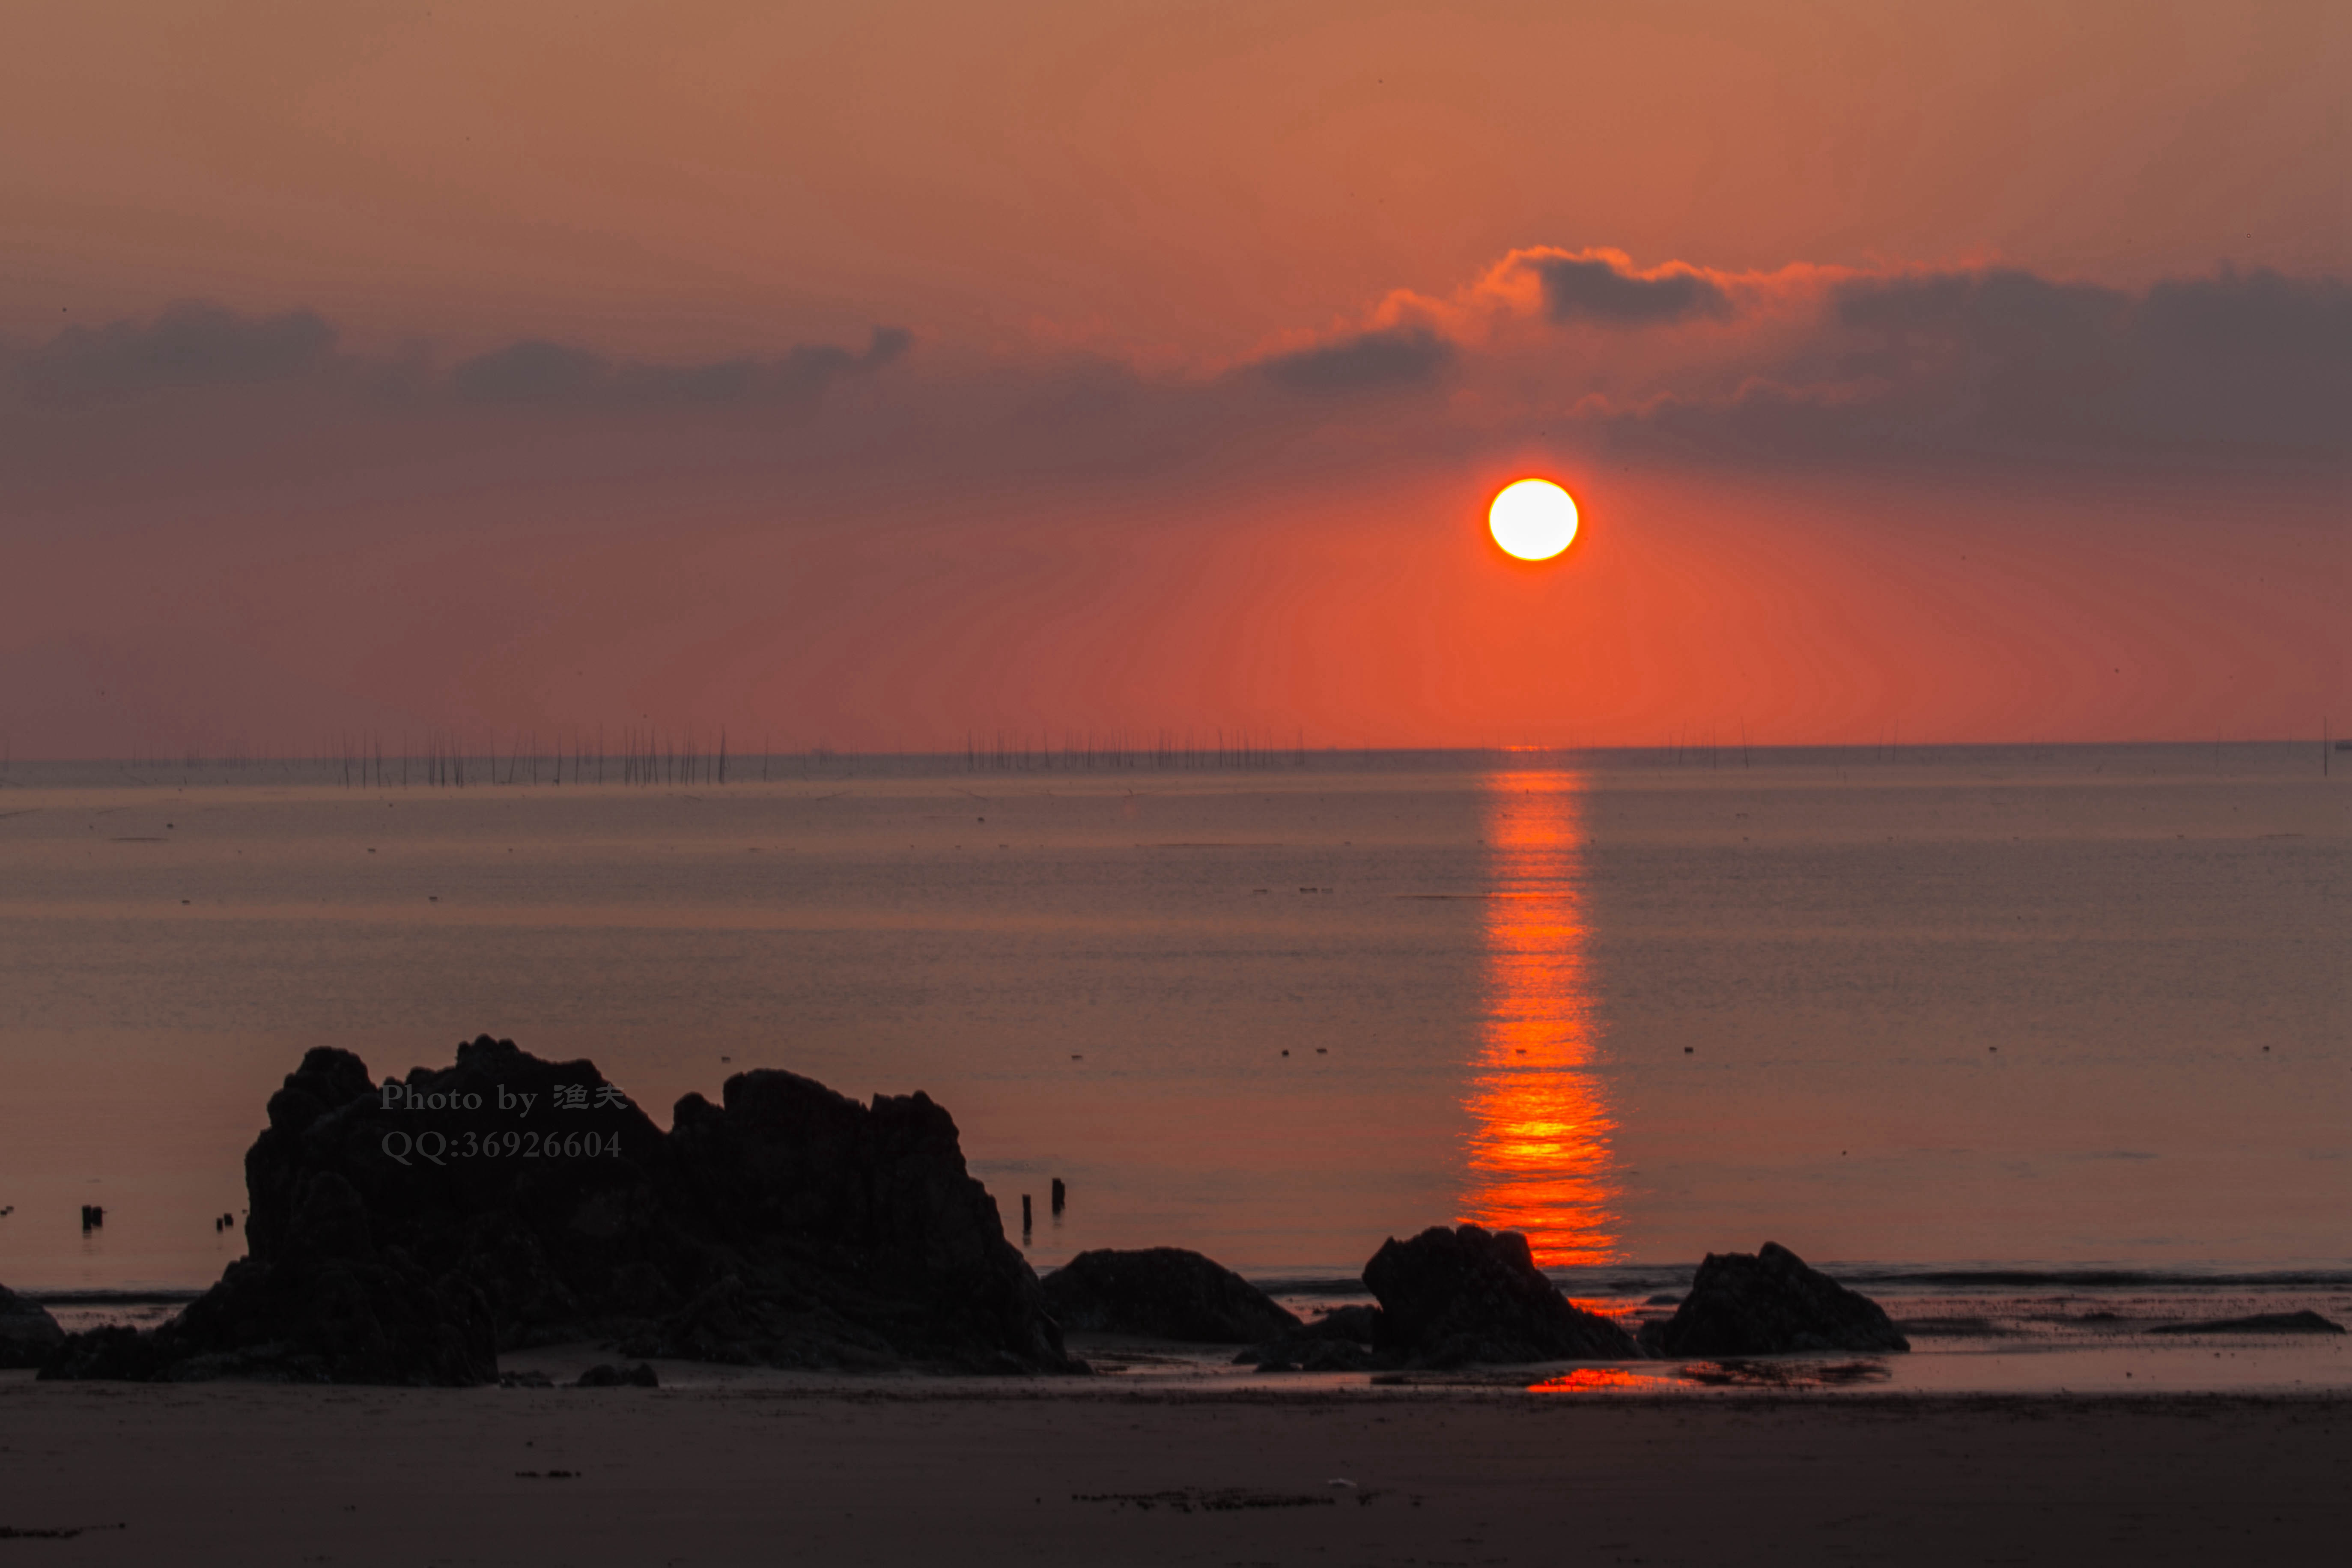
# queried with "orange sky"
point(689, 175)
point(1977, 372)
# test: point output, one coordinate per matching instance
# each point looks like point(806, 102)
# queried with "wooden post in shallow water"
point(1061, 1196)
point(1024, 1217)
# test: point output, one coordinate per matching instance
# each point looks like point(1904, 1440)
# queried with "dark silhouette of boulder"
point(1320, 1343)
point(409, 1231)
point(1451, 1297)
point(1164, 1291)
point(2259, 1323)
point(27, 1333)
point(639, 1376)
point(1321, 1355)
point(1361, 1324)
point(1771, 1303)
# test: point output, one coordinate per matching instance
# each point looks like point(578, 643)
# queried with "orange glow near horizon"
point(1533, 519)
point(1603, 1380)
point(1540, 1161)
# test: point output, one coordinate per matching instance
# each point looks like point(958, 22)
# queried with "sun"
point(1534, 519)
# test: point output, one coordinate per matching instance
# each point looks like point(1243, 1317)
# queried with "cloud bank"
point(1815, 364)
point(192, 344)
point(2252, 369)
point(539, 372)
point(197, 346)
point(1583, 353)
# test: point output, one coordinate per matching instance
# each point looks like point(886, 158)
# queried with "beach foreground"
point(983, 1472)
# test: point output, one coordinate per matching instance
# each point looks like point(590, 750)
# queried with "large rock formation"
point(1164, 1291)
point(407, 1232)
point(27, 1332)
point(1449, 1298)
point(1771, 1303)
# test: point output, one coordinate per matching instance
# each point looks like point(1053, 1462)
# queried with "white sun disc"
point(1534, 519)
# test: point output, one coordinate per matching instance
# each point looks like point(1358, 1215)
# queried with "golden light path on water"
point(1538, 1155)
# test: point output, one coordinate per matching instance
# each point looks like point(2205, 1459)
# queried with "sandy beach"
point(835, 1471)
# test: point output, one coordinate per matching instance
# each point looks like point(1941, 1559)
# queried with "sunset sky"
point(868, 376)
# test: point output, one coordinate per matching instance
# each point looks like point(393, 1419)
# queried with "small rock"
point(1164, 1291)
point(2259, 1323)
point(1315, 1355)
point(1353, 1329)
point(1451, 1297)
point(27, 1332)
point(1771, 1303)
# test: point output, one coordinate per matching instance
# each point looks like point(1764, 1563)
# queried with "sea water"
point(2025, 1010)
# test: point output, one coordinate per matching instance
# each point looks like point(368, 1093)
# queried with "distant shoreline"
point(499, 765)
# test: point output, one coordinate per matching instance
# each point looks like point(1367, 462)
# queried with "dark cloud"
point(1902, 365)
point(190, 344)
point(194, 346)
point(1603, 288)
point(1390, 357)
point(2241, 367)
point(532, 371)
point(885, 346)
point(2253, 358)
point(537, 371)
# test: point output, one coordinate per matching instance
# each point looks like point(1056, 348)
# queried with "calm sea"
point(2055, 1010)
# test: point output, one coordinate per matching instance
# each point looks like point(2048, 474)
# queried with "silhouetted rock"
point(27, 1333)
point(1321, 1355)
point(639, 1376)
point(2259, 1323)
point(1164, 1291)
point(409, 1231)
point(1309, 1346)
point(1451, 1298)
point(1770, 1304)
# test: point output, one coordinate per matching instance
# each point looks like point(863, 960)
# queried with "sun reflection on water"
point(1603, 1380)
point(1538, 1155)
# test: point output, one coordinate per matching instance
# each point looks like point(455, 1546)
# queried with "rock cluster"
point(1166, 1292)
point(27, 1333)
point(407, 1232)
point(1771, 1303)
point(1455, 1298)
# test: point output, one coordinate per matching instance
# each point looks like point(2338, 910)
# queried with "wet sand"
point(828, 1472)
